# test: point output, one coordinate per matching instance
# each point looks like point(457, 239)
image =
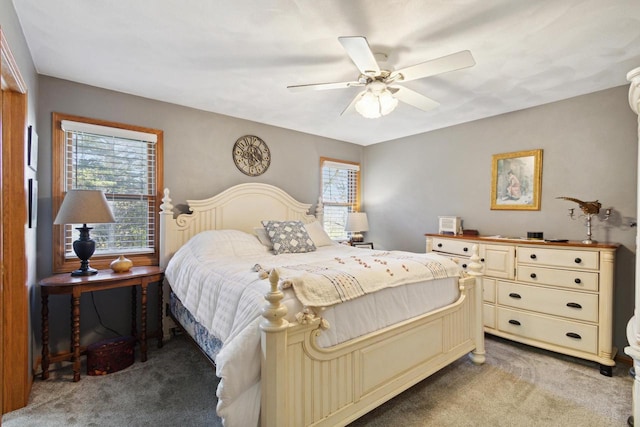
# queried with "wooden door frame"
point(14, 290)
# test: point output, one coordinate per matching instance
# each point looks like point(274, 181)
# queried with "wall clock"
point(251, 155)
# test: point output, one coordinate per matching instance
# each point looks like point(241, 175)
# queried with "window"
point(126, 163)
point(340, 194)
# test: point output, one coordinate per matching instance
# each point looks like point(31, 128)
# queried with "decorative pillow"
point(318, 235)
point(289, 237)
point(261, 232)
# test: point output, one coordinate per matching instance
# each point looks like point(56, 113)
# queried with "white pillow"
point(318, 235)
point(261, 232)
point(215, 243)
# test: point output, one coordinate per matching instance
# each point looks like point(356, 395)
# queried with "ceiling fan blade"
point(455, 61)
point(360, 53)
point(323, 86)
point(414, 99)
point(352, 107)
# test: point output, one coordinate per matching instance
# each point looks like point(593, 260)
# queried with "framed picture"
point(33, 202)
point(516, 180)
point(32, 149)
point(367, 245)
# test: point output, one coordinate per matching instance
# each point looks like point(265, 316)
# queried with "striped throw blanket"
point(340, 279)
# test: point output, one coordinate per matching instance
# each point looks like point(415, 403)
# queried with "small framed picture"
point(33, 202)
point(366, 245)
point(32, 149)
point(516, 180)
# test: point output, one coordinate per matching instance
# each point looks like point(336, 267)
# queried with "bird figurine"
point(588, 208)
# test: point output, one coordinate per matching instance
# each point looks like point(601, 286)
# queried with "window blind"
point(121, 163)
point(340, 195)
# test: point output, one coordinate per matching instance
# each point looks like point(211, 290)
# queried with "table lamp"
point(356, 224)
point(84, 207)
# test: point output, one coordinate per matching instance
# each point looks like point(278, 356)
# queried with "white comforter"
point(214, 277)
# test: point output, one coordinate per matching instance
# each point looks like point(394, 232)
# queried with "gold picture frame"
point(516, 181)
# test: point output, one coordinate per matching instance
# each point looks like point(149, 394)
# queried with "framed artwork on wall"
point(516, 181)
point(32, 149)
point(33, 202)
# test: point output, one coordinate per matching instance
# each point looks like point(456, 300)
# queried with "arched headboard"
point(241, 207)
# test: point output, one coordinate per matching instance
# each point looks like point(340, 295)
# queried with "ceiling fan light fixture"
point(376, 103)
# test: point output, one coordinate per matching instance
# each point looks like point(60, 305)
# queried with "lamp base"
point(357, 237)
point(84, 272)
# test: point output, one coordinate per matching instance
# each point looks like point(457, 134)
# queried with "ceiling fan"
point(382, 91)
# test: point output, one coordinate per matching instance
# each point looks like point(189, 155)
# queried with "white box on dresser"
point(553, 295)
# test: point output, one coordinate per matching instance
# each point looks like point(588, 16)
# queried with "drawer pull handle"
point(465, 249)
point(578, 281)
point(481, 259)
point(533, 275)
point(514, 322)
point(464, 265)
point(514, 295)
point(532, 256)
point(578, 260)
point(573, 305)
point(439, 245)
point(573, 335)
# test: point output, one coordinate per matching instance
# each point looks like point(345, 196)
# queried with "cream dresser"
point(556, 296)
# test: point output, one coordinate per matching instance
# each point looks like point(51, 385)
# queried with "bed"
point(285, 363)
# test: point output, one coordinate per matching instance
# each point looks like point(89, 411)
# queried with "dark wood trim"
point(14, 289)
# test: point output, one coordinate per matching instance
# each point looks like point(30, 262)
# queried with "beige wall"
point(590, 152)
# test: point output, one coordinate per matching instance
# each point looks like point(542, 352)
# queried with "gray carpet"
point(518, 386)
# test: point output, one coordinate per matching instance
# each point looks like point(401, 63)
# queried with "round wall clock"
point(251, 155)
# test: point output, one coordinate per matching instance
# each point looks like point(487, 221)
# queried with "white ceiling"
point(237, 57)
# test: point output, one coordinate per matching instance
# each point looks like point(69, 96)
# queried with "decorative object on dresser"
point(251, 155)
point(589, 209)
point(121, 264)
point(556, 296)
point(356, 224)
point(516, 180)
point(449, 225)
point(84, 207)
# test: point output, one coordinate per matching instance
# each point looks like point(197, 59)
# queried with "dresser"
point(556, 296)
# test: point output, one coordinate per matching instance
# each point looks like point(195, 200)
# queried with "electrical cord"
point(100, 318)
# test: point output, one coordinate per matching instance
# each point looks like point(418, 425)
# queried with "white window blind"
point(340, 195)
point(122, 163)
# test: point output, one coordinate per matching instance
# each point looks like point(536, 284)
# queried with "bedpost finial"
point(274, 312)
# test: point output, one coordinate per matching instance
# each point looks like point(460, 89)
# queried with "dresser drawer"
point(572, 305)
point(558, 258)
point(573, 335)
point(451, 246)
point(576, 280)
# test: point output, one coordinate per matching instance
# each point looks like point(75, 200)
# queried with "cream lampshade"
point(84, 207)
point(357, 223)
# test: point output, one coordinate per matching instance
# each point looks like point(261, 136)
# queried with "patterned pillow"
point(289, 237)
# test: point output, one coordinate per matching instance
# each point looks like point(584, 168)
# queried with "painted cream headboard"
point(240, 207)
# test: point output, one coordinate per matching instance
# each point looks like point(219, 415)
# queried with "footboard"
point(304, 384)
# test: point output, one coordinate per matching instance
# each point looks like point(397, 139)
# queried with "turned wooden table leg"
point(143, 322)
point(160, 314)
point(45, 334)
point(75, 310)
point(134, 303)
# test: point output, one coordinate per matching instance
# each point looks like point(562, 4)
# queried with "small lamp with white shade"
point(84, 207)
point(356, 224)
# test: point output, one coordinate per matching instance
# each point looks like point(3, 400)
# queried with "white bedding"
point(226, 295)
